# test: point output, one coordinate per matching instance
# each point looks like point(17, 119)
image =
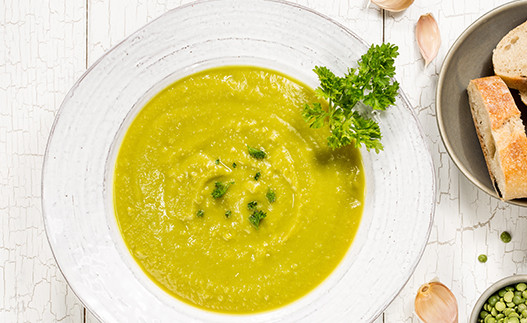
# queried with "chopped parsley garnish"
point(271, 195)
point(200, 213)
point(228, 214)
point(217, 161)
point(220, 189)
point(252, 205)
point(234, 165)
point(371, 82)
point(256, 153)
point(257, 176)
point(256, 217)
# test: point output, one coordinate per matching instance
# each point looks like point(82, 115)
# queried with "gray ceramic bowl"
point(511, 280)
point(471, 57)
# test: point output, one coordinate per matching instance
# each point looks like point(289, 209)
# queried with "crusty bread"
point(509, 59)
point(523, 97)
point(501, 135)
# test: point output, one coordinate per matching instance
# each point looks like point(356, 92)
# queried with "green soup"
point(207, 251)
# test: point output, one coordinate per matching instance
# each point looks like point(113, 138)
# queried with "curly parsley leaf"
point(220, 189)
point(370, 83)
point(256, 153)
point(271, 195)
point(256, 217)
point(252, 205)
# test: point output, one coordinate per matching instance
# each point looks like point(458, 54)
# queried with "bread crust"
point(507, 61)
point(514, 165)
point(517, 82)
point(501, 135)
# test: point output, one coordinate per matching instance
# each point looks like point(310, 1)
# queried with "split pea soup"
point(227, 199)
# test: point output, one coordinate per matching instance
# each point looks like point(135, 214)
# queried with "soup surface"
point(227, 199)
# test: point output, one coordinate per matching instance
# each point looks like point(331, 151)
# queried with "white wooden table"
point(46, 45)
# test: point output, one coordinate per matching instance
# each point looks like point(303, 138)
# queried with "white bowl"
point(79, 161)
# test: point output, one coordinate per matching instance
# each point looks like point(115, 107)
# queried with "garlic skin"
point(393, 5)
point(428, 37)
point(435, 303)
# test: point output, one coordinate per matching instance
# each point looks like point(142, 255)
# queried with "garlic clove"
point(393, 5)
point(435, 303)
point(428, 37)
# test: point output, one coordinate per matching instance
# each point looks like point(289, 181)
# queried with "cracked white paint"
point(41, 55)
point(467, 222)
point(46, 45)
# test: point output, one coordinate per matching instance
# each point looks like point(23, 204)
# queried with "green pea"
point(517, 300)
point(514, 314)
point(483, 314)
point(482, 258)
point(517, 293)
point(500, 316)
point(513, 320)
point(524, 294)
point(524, 313)
point(508, 311)
point(523, 320)
point(511, 304)
point(493, 312)
point(490, 320)
point(505, 237)
point(521, 287)
point(493, 300)
point(522, 307)
point(509, 289)
point(502, 292)
point(500, 306)
point(508, 296)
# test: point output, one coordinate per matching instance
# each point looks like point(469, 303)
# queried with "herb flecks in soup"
point(226, 198)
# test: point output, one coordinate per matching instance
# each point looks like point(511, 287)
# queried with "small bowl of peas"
point(503, 302)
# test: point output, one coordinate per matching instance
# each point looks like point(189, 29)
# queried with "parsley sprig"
point(370, 83)
point(220, 189)
point(256, 153)
point(256, 217)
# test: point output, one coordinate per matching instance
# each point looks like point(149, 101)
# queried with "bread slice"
point(501, 134)
point(509, 59)
point(523, 97)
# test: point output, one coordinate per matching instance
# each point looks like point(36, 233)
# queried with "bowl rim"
point(439, 91)
point(504, 282)
point(402, 95)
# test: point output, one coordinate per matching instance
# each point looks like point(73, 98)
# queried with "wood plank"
point(42, 53)
point(467, 221)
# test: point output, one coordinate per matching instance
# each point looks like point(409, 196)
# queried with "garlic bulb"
point(435, 303)
point(393, 5)
point(428, 37)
